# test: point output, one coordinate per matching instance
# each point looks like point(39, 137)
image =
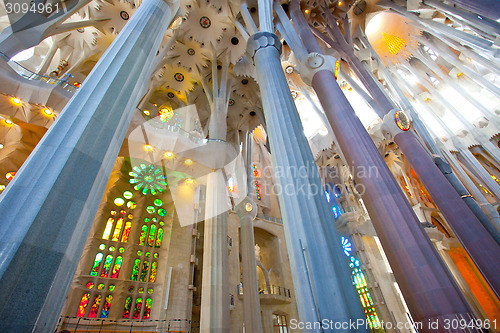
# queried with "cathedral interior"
point(250, 166)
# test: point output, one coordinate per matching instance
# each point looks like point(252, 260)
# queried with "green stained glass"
point(142, 238)
point(144, 272)
point(162, 223)
point(121, 250)
point(102, 247)
point(111, 287)
point(107, 265)
point(135, 269)
point(158, 202)
point(162, 212)
point(139, 253)
point(159, 238)
point(147, 308)
point(100, 286)
point(147, 179)
point(150, 209)
point(97, 262)
point(126, 232)
point(155, 219)
point(146, 219)
point(111, 248)
point(140, 290)
point(150, 291)
point(147, 254)
point(128, 195)
point(126, 309)
point(154, 266)
point(155, 255)
point(117, 267)
point(152, 233)
point(131, 205)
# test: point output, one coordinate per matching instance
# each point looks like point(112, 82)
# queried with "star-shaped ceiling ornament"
point(189, 54)
point(232, 44)
point(178, 78)
point(205, 23)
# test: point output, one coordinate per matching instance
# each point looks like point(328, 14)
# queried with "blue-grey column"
point(322, 283)
point(486, 8)
point(48, 209)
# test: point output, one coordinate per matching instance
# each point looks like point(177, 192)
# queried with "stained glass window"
point(126, 232)
point(107, 265)
point(118, 230)
point(152, 233)
point(147, 308)
point(95, 306)
point(83, 305)
point(97, 262)
point(126, 309)
point(150, 209)
point(138, 307)
point(148, 179)
point(119, 201)
point(159, 238)
point(106, 306)
point(116, 267)
point(131, 205)
point(107, 230)
point(154, 266)
point(128, 195)
point(257, 190)
point(144, 272)
point(158, 202)
point(135, 269)
point(142, 238)
point(162, 212)
point(90, 285)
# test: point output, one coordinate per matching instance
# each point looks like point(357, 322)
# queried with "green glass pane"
point(142, 238)
point(131, 205)
point(111, 287)
point(159, 238)
point(126, 309)
point(150, 291)
point(139, 253)
point(158, 202)
point(150, 209)
point(135, 269)
point(111, 248)
point(147, 254)
point(162, 212)
point(128, 195)
point(107, 265)
point(152, 233)
point(102, 247)
point(97, 262)
point(100, 286)
point(121, 250)
point(144, 272)
point(152, 277)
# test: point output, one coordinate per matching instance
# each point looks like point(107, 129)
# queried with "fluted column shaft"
point(486, 8)
point(322, 284)
point(48, 209)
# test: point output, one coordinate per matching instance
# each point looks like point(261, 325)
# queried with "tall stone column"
point(215, 280)
point(322, 282)
point(247, 210)
point(48, 209)
point(486, 8)
point(426, 284)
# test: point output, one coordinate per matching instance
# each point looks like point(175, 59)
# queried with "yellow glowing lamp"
point(16, 101)
point(402, 121)
point(337, 69)
point(188, 161)
point(148, 148)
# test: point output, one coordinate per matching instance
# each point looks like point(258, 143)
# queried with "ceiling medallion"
point(402, 120)
point(289, 69)
point(124, 15)
point(205, 22)
point(170, 94)
point(179, 77)
point(231, 102)
point(191, 51)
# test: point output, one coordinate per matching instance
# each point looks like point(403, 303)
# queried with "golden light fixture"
point(307, 11)
point(1, 145)
point(8, 122)
point(248, 207)
point(188, 161)
point(146, 112)
point(148, 148)
point(48, 112)
point(16, 101)
point(169, 154)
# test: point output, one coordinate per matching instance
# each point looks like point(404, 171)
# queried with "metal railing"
point(68, 324)
point(269, 218)
point(30, 75)
point(270, 290)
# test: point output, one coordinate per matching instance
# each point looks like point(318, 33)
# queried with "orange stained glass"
point(83, 305)
point(126, 232)
point(118, 230)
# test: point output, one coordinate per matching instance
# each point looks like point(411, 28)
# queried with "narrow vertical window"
point(107, 230)
point(144, 272)
point(106, 306)
point(144, 230)
point(159, 238)
point(118, 230)
point(97, 262)
point(83, 305)
point(126, 309)
point(147, 308)
point(154, 266)
point(106, 266)
point(138, 307)
point(116, 267)
point(152, 233)
point(135, 270)
point(126, 232)
point(95, 306)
